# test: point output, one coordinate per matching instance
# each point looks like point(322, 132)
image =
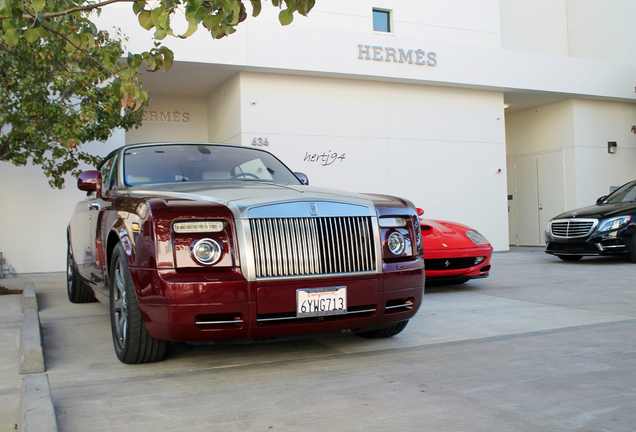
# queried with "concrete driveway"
point(541, 345)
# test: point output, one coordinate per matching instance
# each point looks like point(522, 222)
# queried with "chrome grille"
point(312, 246)
point(573, 227)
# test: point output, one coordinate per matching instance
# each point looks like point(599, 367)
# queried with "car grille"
point(449, 263)
point(312, 246)
point(572, 227)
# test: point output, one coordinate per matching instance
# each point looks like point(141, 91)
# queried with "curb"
point(29, 300)
point(36, 412)
point(31, 355)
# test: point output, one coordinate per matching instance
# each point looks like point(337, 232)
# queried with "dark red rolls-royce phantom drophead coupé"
point(196, 242)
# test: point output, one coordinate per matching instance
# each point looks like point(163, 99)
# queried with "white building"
point(417, 111)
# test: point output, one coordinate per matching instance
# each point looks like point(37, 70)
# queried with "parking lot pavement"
point(541, 345)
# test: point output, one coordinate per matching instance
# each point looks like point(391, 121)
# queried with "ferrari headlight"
point(614, 223)
point(206, 251)
point(396, 243)
point(198, 226)
point(477, 238)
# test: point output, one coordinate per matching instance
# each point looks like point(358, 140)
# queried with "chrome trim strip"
point(218, 322)
point(295, 317)
point(326, 275)
point(399, 306)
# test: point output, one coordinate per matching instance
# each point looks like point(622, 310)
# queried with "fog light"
point(206, 251)
point(479, 260)
point(396, 243)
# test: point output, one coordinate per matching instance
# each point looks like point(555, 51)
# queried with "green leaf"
point(38, 5)
point(200, 14)
point(11, 37)
point(211, 22)
point(31, 35)
point(5, 8)
point(256, 7)
point(164, 21)
point(7, 24)
point(145, 20)
point(192, 27)
point(138, 7)
point(286, 16)
point(160, 34)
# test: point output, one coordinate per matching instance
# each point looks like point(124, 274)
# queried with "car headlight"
point(396, 243)
point(206, 251)
point(614, 223)
point(477, 238)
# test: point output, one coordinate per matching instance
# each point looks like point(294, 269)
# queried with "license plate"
point(313, 302)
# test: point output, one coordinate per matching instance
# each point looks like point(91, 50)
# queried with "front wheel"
point(570, 258)
point(133, 344)
point(384, 332)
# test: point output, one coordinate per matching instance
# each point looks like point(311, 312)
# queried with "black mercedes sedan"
point(606, 228)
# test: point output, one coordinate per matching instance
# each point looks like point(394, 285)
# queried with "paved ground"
point(541, 345)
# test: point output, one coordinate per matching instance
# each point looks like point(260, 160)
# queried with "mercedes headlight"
point(614, 223)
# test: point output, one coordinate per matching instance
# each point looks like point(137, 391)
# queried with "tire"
point(77, 290)
point(570, 258)
point(385, 332)
point(133, 344)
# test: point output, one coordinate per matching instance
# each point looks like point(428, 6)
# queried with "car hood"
point(598, 211)
point(243, 196)
point(444, 235)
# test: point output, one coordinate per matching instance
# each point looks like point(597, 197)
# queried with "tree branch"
point(113, 74)
point(47, 15)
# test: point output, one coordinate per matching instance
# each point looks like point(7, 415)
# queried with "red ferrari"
point(453, 253)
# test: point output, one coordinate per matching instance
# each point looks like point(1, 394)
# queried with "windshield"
point(624, 194)
point(200, 162)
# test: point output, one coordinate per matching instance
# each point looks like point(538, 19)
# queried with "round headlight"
point(206, 251)
point(396, 243)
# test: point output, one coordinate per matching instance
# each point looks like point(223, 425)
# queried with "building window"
point(382, 20)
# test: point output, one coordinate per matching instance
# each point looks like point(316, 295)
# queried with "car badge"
point(447, 263)
point(313, 209)
point(444, 244)
point(574, 214)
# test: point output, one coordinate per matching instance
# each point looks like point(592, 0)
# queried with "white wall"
point(438, 147)
point(595, 124)
point(538, 26)
point(34, 216)
point(602, 30)
point(224, 113)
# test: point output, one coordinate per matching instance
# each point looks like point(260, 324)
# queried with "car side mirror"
point(303, 178)
point(601, 199)
point(90, 181)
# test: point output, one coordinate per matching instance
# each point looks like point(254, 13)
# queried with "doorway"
point(539, 195)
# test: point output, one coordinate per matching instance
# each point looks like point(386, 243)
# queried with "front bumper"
point(455, 264)
point(180, 306)
point(615, 242)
